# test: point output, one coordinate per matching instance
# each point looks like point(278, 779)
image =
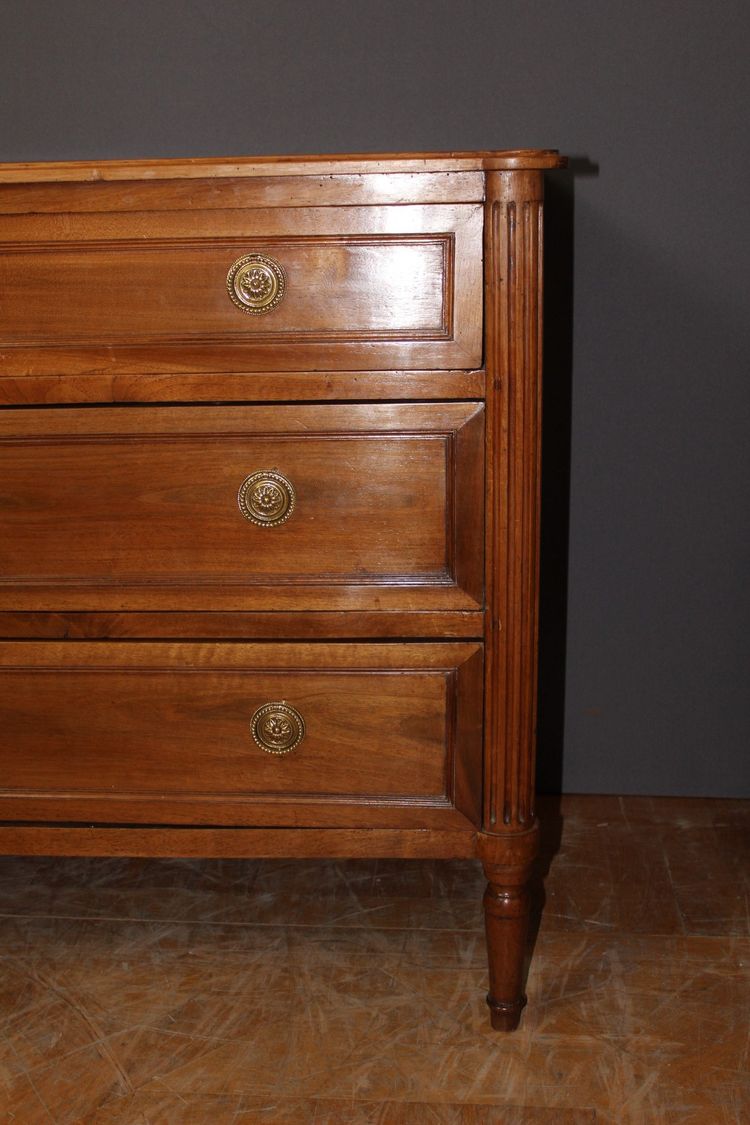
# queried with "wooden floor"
point(214, 992)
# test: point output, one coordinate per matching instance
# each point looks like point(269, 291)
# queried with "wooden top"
point(331, 165)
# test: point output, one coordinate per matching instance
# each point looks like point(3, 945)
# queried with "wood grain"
point(139, 386)
point(262, 625)
point(238, 843)
point(359, 981)
point(400, 282)
point(315, 165)
point(148, 500)
point(134, 732)
point(513, 449)
point(190, 194)
point(145, 620)
point(508, 844)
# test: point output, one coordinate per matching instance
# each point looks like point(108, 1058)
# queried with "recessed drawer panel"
point(240, 733)
point(248, 508)
point(242, 290)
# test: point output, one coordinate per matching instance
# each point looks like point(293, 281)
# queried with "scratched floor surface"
point(182, 993)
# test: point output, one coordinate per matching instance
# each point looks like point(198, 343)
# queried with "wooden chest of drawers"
point(269, 450)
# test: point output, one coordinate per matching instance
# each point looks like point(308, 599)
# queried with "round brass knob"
point(277, 728)
point(266, 498)
point(256, 283)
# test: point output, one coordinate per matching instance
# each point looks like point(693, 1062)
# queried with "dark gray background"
point(646, 473)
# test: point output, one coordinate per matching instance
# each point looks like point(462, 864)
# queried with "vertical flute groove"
point(513, 359)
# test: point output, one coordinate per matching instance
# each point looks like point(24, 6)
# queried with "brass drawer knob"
point(256, 283)
point(277, 728)
point(266, 498)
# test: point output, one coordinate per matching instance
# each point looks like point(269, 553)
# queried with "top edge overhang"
point(344, 164)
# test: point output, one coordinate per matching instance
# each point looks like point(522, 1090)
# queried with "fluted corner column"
point(513, 352)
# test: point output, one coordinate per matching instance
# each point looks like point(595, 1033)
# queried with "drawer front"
point(241, 290)
point(245, 508)
point(241, 734)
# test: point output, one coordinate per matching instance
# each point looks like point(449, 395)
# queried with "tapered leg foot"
point(505, 1017)
point(507, 864)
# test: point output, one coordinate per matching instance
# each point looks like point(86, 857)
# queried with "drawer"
point(233, 290)
point(318, 734)
point(248, 508)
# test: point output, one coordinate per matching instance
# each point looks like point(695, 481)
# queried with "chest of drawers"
point(269, 455)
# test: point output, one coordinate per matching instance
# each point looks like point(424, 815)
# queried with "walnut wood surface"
point(315, 165)
point(147, 501)
point(394, 286)
point(121, 522)
point(190, 194)
point(507, 861)
point(513, 294)
point(285, 599)
point(513, 265)
point(261, 625)
point(246, 386)
point(238, 843)
point(114, 732)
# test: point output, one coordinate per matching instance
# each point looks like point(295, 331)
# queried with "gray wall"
point(646, 610)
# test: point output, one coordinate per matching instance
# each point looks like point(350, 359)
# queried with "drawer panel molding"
point(395, 286)
point(170, 733)
point(296, 612)
point(207, 508)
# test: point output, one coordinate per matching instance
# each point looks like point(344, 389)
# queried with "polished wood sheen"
point(513, 295)
point(375, 490)
point(151, 732)
point(341, 165)
point(365, 286)
point(147, 622)
point(52, 387)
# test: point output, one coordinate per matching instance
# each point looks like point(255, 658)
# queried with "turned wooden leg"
point(507, 862)
point(513, 361)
